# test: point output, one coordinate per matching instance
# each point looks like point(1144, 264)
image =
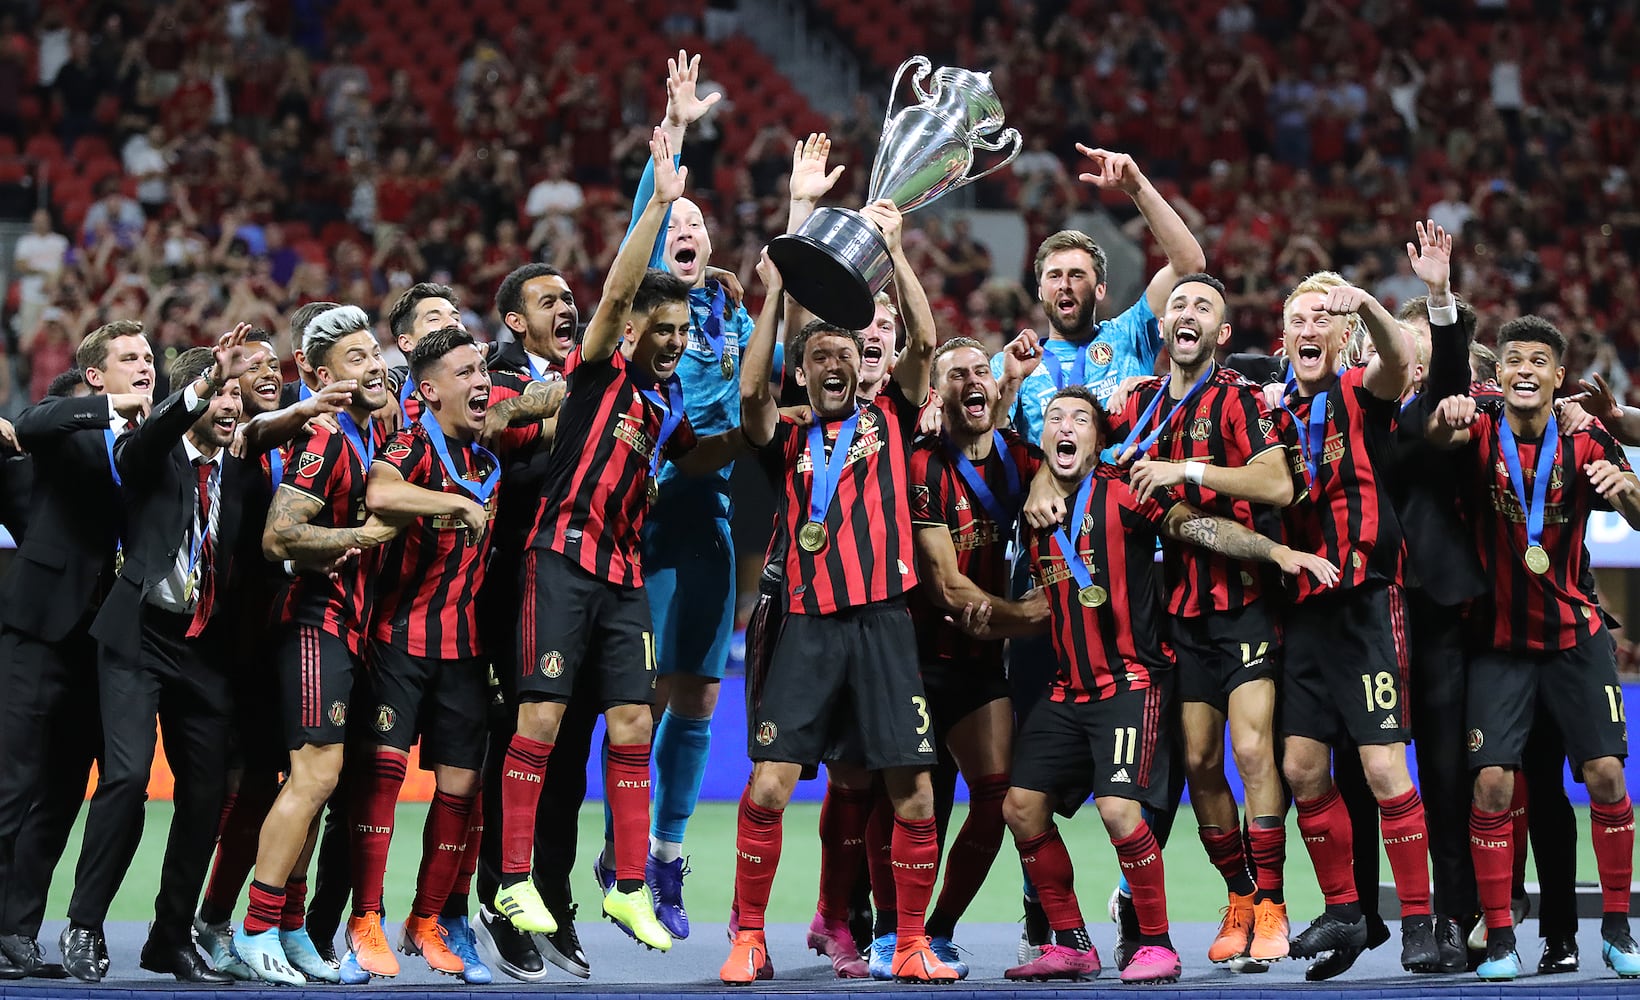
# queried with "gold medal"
point(728, 367)
point(190, 587)
point(119, 559)
point(652, 489)
point(1537, 560)
point(1092, 596)
point(812, 536)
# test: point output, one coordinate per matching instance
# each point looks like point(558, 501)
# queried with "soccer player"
point(1548, 641)
point(1203, 432)
point(1092, 556)
point(583, 575)
point(423, 308)
point(1345, 672)
point(966, 489)
point(847, 644)
point(318, 518)
point(306, 381)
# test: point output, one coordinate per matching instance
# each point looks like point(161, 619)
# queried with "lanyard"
point(405, 391)
point(276, 467)
point(480, 491)
point(205, 527)
point(113, 470)
point(1548, 454)
point(302, 390)
point(1001, 513)
point(1315, 428)
point(1056, 368)
point(712, 329)
point(671, 408)
point(356, 439)
point(1182, 406)
point(1067, 548)
point(828, 470)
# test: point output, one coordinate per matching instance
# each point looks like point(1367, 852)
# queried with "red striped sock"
point(757, 856)
point(1517, 819)
point(1141, 861)
point(265, 903)
point(971, 854)
point(916, 860)
point(843, 817)
point(236, 851)
point(469, 853)
point(879, 853)
point(1612, 827)
point(1225, 851)
point(626, 786)
point(521, 775)
point(293, 915)
point(375, 793)
point(1492, 854)
point(227, 810)
point(1268, 846)
point(1406, 842)
point(443, 841)
point(1324, 824)
point(1048, 865)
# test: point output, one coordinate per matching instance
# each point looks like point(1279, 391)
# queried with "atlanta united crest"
point(552, 664)
point(766, 733)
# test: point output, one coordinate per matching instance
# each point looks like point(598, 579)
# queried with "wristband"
point(1193, 472)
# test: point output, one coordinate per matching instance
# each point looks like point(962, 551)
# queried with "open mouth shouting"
point(686, 260)
point(224, 426)
point(1066, 456)
point(1186, 334)
point(975, 404)
point(478, 403)
point(564, 333)
point(267, 388)
point(666, 362)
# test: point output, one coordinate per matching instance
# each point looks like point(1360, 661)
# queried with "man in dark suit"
point(181, 488)
point(48, 730)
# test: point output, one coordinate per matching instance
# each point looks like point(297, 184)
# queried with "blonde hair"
point(1323, 282)
point(883, 301)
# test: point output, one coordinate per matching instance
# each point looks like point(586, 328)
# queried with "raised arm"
point(398, 501)
point(683, 108)
point(539, 401)
point(1390, 370)
point(289, 535)
point(950, 590)
point(603, 334)
point(279, 427)
point(809, 182)
point(758, 411)
point(1448, 373)
point(1448, 426)
point(1117, 171)
point(914, 366)
point(1266, 479)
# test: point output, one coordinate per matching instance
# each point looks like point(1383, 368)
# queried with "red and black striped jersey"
point(524, 472)
point(1113, 645)
point(596, 496)
point(431, 574)
point(1348, 517)
point(868, 555)
point(1227, 424)
point(1557, 609)
point(401, 385)
point(328, 469)
point(941, 498)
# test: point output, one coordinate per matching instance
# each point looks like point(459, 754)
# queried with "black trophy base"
point(828, 282)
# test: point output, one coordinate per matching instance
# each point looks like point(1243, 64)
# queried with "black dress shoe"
point(81, 947)
point(182, 961)
point(508, 947)
point(22, 953)
point(10, 969)
point(563, 946)
point(1559, 955)
point(1449, 939)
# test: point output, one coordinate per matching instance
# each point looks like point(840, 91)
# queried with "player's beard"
point(1080, 322)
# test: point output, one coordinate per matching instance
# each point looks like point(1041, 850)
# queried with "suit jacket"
point(16, 486)
point(161, 490)
point(65, 563)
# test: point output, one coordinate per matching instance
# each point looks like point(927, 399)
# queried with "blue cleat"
point(882, 957)
point(305, 958)
point(216, 940)
point(265, 957)
point(946, 951)
point(461, 941)
point(1622, 955)
point(665, 879)
point(351, 973)
point(1502, 964)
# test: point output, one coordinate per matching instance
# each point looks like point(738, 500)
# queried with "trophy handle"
point(995, 146)
point(924, 67)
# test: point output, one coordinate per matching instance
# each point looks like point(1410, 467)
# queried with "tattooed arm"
point(540, 401)
point(288, 535)
point(1187, 524)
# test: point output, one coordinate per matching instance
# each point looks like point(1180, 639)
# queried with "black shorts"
point(570, 621)
point(316, 674)
point(1119, 747)
point(1222, 650)
point(845, 680)
point(1345, 670)
point(441, 701)
point(1578, 688)
point(958, 689)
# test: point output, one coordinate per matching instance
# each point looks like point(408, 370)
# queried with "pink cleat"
point(831, 939)
point(1153, 964)
point(1058, 962)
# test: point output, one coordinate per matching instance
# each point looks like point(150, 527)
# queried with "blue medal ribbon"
point(1003, 514)
point(828, 470)
point(406, 390)
point(1548, 454)
point(1067, 548)
point(302, 390)
point(480, 491)
point(672, 415)
point(204, 528)
point(113, 470)
point(1056, 368)
point(276, 467)
point(1315, 428)
point(712, 330)
point(357, 439)
point(529, 363)
point(1149, 440)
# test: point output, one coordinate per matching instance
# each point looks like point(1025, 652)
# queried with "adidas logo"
point(1121, 777)
point(925, 746)
point(1389, 723)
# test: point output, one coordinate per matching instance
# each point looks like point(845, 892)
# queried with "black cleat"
point(563, 946)
point(80, 947)
point(1559, 955)
point(1329, 933)
point(1339, 961)
point(1419, 950)
point(1127, 931)
point(507, 948)
point(1449, 938)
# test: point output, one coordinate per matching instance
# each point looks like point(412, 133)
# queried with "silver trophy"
point(837, 261)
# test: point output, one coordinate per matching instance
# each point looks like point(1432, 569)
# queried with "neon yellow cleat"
point(523, 907)
point(635, 911)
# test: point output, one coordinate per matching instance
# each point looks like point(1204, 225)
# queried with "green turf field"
point(1195, 891)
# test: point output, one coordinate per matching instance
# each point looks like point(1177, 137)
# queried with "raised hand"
point(888, 220)
point(1021, 356)
point(810, 181)
point(1432, 257)
point(1611, 482)
point(1346, 300)
point(1598, 399)
point(1293, 563)
point(683, 106)
point(773, 282)
point(669, 177)
point(1111, 171)
point(1456, 412)
point(233, 357)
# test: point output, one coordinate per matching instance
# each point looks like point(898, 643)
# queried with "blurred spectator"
point(553, 202)
point(147, 161)
point(38, 259)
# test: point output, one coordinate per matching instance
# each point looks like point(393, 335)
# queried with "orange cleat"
point(1235, 930)
point(1270, 930)
point(915, 962)
point(425, 937)
point(368, 942)
point(748, 960)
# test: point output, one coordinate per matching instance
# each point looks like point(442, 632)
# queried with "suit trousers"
point(176, 678)
point(1439, 685)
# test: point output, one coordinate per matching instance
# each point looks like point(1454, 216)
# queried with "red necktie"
point(207, 577)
